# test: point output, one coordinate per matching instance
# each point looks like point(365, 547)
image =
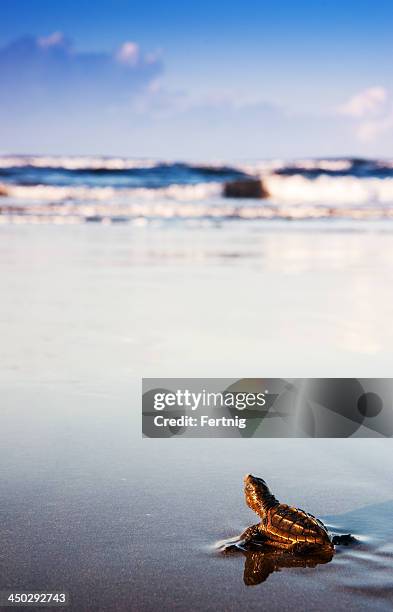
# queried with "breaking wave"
point(49, 193)
point(329, 190)
point(108, 189)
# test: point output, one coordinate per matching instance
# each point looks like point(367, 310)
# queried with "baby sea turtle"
point(284, 526)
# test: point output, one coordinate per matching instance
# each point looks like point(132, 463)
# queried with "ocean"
point(51, 189)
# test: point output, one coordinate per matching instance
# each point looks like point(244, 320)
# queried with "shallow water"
point(130, 524)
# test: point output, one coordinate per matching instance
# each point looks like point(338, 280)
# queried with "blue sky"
point(197, 79)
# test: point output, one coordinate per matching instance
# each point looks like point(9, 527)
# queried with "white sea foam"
point(86, 162)
point(56, 193)
point(75, 163)
point(106, 212)
point(96, 162)
point(329, 190)
point(296, 189)
point(264, 168)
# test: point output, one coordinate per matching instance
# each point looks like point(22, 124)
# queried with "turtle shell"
point(288, 525)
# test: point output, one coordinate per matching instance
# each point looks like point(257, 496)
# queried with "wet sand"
point(129, 524)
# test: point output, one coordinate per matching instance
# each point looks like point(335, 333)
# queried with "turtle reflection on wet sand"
point(259, 565)
point(285, 536)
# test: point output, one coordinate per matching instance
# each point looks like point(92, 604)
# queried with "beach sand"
point(123, 523)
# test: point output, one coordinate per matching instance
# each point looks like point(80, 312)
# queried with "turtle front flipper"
point(252, 535)
point(249, 539)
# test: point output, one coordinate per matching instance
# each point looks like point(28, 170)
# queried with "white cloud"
point(128, 53)
point(368, 102)
point(47, 75)
point(371, 114)
point(57, 39)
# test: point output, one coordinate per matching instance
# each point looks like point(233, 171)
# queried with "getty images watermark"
point(205, 399)
point(267, 407)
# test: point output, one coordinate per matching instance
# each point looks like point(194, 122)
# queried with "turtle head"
point(257, 494)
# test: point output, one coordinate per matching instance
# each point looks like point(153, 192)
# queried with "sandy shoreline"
point(88, 505)
point(242, 298)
